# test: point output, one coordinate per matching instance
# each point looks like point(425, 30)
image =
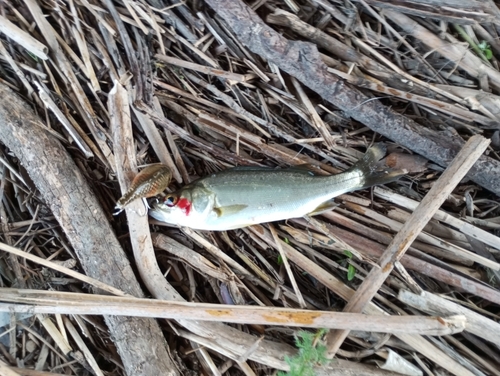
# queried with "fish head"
point(189, 207)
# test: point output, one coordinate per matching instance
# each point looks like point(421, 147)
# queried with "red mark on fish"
point(184, 205)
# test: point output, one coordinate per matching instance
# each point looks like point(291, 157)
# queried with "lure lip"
point(152, 201)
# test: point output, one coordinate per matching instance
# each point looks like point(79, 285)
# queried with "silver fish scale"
point(244, 196)
point(271, 195)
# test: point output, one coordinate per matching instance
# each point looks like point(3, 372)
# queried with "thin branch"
point(472, 150)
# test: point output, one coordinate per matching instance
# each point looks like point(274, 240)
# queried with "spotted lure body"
point(150, 182)
point(244, 196)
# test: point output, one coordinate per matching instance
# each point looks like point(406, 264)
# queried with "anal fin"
point(323, 207)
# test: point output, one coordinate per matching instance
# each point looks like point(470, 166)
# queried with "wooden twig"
point(55, 334)
point(195, 260)
point(49, 103)
point(434, 104)
point(203, 69)
point(6, 370)
point(316, 120)
point(433, 304)
point(369, 247)
point(428, 238)
point(442, 216)
point(79, 214)
point(171, 126)
point(345, 52)
point(402, 241)
point(268, 352)
point(126, 168)
point(87, 112)
point(40, 301)
point(19, 73)
point(238, 112)
point(385, 238)
point(451, 51)
point(419, 343)
point(23, 38)
point(55, 266)
point(448, 11)
point(89, 357)
point(302, 61)
point(30, 372)
point(287, 266)
point(215, 251)
point(157, 143)
point(469, 355)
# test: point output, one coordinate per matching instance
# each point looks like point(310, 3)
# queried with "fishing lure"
point(149, 182)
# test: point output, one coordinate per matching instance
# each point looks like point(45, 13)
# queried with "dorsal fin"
point(305, 168)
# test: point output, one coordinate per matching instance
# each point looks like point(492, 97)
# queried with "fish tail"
point(369, 168)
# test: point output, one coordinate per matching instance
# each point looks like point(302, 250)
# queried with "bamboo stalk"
point(433, 304)
point(40, 301)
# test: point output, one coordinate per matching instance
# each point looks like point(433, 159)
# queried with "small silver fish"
point(244, 196)
point(150, 182)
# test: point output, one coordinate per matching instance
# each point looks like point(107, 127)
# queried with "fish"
point(244, 196)
point(149, 182)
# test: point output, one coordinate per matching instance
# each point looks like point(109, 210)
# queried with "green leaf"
point(33, 56)
point(347, 253)
point(351, 272)
point(311, 353)
point(485, 49)
point(280, 260)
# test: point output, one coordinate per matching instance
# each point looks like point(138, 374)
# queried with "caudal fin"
point(371, 172)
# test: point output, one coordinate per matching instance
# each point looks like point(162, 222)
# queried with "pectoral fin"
point(229, 210)
point(325, 206)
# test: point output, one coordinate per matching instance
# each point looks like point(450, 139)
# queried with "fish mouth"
point(161, 212)
point(153, 203)
point(156, 212)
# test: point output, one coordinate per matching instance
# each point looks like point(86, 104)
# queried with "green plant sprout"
point(311, 353)
point(351, 270)
point(280, 260)
point(476, 47)
point(485, 47)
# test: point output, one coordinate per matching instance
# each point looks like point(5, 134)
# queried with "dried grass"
point(200, 101)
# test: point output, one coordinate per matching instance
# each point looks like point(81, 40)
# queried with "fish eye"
point(171, 201)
